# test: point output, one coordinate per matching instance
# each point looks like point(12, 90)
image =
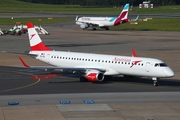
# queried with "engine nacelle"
point(94, 76)
point(84, 26)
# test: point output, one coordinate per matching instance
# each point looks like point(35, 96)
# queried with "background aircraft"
point(94, 67)
point(103, 22)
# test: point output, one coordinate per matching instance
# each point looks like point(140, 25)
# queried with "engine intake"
point(84, 26)
point(95, 76)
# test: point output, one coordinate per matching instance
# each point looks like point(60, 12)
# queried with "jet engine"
point(84, 26)
point(94, 76)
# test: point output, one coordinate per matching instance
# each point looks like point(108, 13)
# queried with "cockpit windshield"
point(160, 65)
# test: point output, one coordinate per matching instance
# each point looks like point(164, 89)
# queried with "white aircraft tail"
point(137, 18)
point(35, 41)
point(134, 20)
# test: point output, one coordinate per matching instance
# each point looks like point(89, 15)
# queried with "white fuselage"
point(112, 64)
point(99, 21)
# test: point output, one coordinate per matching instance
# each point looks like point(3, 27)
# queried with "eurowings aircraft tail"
point(35, 41)
point(123, 17)
point(124, 13)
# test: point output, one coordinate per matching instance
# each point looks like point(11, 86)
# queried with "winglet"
point(76, 18)
point(24, 64)
point(134, 53)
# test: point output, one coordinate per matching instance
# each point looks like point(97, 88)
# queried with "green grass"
point(18, 6)
point(36, 21)
point(156, 24)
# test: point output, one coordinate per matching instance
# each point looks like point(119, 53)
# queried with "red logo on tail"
point(32, 36)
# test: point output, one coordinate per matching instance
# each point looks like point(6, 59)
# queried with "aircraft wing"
point(81, 70)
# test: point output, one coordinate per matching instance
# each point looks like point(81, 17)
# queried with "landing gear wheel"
point(107, 28)
point(107, 78)
point(155, 81)
point(83, 79)
point(94, 29)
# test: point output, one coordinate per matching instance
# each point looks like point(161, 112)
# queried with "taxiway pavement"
point(119, 99)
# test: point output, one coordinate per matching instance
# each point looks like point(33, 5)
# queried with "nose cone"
point(169, 72)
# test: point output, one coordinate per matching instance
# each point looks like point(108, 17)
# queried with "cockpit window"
point(160, 65)
point(156, 65)
point(163, 65)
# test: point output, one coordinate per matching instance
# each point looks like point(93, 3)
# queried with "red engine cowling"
point(95, 76)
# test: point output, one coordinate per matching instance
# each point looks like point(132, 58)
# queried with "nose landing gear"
point(155, 81)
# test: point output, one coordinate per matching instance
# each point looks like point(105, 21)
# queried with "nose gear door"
point(147, 66)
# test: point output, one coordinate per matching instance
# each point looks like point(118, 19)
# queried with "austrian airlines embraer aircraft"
point(103, 22)
point(95, 67)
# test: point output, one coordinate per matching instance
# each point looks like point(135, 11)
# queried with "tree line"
point(103, 2)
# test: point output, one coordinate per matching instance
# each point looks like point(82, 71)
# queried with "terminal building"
point(146, 4)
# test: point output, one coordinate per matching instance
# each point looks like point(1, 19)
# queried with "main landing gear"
point(94, 29)
point(155, 81)
point(106, 28)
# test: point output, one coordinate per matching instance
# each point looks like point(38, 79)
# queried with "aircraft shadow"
point(138, 80)
point(75, 78)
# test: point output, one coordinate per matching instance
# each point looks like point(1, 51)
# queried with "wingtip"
point(24, 64)
point(134, 53)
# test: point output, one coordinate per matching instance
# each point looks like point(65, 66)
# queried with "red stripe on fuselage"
point(118, 20)
point(40, 47)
